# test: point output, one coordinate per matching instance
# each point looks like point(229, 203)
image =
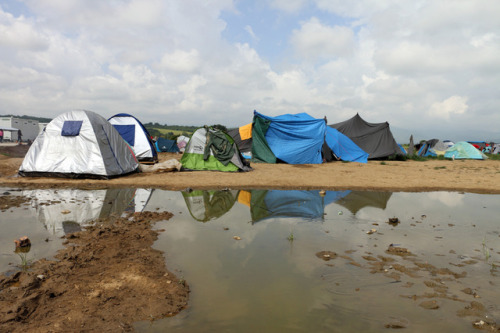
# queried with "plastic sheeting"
point(298, 139)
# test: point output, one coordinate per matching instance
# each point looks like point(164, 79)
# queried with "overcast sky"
point(426, 67)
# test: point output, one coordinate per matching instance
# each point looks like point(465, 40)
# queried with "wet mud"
point(106, 278)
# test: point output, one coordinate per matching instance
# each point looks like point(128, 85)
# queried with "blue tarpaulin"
point(299, 138)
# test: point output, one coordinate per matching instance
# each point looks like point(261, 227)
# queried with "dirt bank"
point(105, 279)
point(415, 176)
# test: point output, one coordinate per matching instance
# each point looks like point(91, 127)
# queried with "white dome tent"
point(79, 144)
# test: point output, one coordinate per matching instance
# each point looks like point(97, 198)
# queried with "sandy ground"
point(414, 176)
point(108, 277)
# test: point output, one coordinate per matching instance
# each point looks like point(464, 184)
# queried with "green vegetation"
point(290, 237)
point(182, 281)
point(397, 157)
point(383, 163)
point(25, 262)
point(170, 132)
point(439, 167)
point(495, 157)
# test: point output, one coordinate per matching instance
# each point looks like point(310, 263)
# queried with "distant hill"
point(39, 119)
point(169, 131)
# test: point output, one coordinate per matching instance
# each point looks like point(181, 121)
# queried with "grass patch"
point(495, 157)
point(383, 163)
point(439, 167)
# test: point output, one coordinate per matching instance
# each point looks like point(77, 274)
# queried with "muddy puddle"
point(297, 261)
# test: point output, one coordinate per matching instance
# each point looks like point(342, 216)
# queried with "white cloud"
point(181, 61)
point(455, 105)
point(251, 33)
point(19, 34)
point(290, 6)
point(316, 40)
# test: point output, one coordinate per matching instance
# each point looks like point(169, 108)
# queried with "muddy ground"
point(108, 276)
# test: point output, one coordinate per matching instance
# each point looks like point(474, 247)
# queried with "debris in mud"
point(237, 237)
point(470, 291)
point(105, 279)
point(371, 231)
point(394, 249)
point(394, 221)
point(397, 323)
point(23, 241)
point(10, 201)
point(473, 309)
point(483, 325)
point(430, 305)
point(326, 255)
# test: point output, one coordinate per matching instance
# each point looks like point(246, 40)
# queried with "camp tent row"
point(448, 149)
point(300, 139)
point(83, 144)
point(205, 206)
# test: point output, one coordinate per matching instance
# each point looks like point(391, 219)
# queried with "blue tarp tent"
point(265, 204)
point(299, 139)
point(166, 146)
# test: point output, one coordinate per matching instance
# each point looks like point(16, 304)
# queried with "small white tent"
point(136, 135)
point(79, 144)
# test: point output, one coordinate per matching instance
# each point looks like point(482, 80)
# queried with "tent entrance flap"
point(127, 132)
point(260, 149)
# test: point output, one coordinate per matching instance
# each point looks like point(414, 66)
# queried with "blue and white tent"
point(136, 135)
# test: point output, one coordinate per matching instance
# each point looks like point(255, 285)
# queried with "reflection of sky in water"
point(264, 282)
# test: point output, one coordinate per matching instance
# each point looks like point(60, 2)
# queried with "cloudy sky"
point(429, 67)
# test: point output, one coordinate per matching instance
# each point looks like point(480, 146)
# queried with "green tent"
point(209, 205)
point(212, 149)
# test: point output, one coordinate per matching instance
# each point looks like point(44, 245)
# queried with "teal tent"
point(464, 150)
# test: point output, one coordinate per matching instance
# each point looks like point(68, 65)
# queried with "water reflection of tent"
point(266, 204)
point(141, 199)
point(357, 200)
point(67, 210)
point(208, 205)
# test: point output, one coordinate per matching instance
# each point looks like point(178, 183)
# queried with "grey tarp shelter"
point(374, 138)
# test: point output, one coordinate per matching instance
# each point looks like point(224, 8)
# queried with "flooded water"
point(254, 260)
